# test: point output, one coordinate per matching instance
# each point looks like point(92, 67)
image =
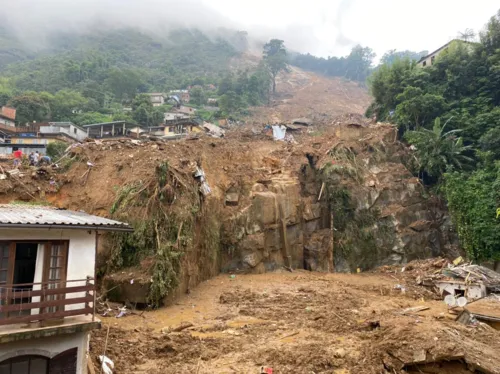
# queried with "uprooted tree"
point(164, 210)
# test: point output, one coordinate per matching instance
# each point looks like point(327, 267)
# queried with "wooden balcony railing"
point(35, 302)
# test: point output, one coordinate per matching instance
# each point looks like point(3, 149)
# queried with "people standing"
point(18, 155)
point(36, 158)
point(31, 158)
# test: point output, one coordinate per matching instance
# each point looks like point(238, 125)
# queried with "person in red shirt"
point(18, 155)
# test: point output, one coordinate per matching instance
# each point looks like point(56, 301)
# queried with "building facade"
point(47, 283)
point(7, 116)
point(68, 129)
point(157, 99)
point(431, 57)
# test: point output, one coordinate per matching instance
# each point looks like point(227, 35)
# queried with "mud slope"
point(304, 94)
point(299, 322)
point(272, 204)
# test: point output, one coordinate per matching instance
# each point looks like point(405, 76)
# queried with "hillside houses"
point(36, 137)
point(157, 99)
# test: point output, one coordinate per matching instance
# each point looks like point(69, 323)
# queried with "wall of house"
point(8, 149)
point(81, 254)
point(172, 130)
point(50, 347)
point(7, 122)
point(71, 130)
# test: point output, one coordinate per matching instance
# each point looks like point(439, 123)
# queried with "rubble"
point(213, 130)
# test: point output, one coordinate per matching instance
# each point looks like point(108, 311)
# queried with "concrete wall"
point(186, 129)
point(8, 149)
point(50, 347)
point(7, 122)
point(71, 130)
point(81, 253)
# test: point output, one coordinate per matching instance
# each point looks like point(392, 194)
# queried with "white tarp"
point(279, 132)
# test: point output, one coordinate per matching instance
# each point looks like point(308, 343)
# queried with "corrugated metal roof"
point(12, 215)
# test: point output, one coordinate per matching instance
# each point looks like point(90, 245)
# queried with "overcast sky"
point(379, 24)
point(321, 27)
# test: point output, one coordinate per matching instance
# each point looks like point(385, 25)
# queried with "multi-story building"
point(47, 288)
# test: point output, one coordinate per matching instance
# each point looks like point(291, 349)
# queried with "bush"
point(56, 149)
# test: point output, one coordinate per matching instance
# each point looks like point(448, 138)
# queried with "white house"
point(47, 288)
point(157, 99)
point(64, 128)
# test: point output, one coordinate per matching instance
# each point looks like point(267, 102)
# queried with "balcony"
point(46, 303)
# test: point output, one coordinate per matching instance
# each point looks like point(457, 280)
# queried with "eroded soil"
point(298, 322)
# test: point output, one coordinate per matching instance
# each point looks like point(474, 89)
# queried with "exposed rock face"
point(392, 218)
point(275, 215)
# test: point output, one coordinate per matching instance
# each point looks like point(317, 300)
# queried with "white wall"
point(81, 253)
point(50, 347)
point(7, 122)
point(70, 130)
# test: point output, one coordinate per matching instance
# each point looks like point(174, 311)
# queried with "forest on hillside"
point(91, 77)
point(450, 113)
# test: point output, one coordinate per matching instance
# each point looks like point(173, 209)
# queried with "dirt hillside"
point(335, 196)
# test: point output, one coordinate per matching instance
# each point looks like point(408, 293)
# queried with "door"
point(55, 266)
point(23, 275)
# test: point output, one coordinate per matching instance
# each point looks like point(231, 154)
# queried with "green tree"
point(490, 141)
point(386, 83)
point(275, 59)
point(124, 84)
point(142, 115)
point(31, 107)
point(142, 100)
point(473, 201)
point(393, 55)
point(197, 96)
point(6, 91)
point(226, 83)
point(56, 150)
point(358, 63)
point(66, 104)
point(438, 151)
point(417, 108)
point(90, 118)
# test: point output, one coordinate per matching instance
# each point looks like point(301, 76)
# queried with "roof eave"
point(66, 227)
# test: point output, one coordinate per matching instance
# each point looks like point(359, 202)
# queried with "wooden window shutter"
point(55, 269)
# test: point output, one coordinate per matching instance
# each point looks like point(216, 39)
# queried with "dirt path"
point(293, 322)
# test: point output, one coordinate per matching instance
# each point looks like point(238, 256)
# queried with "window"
point(25, 365)
point(74, 130)
point(424, 63)
point(432, 60)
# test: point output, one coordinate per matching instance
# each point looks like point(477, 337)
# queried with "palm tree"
point(438, 151)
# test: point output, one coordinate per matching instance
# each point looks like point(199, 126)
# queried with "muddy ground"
point(298, 322)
